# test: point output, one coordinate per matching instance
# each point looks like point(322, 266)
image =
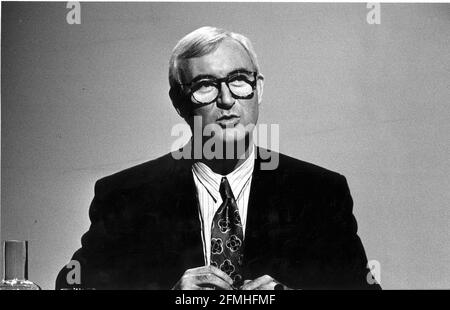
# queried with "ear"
point(260, 87)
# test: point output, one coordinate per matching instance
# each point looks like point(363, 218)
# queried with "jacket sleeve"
point(348, 261)
point(97, 259)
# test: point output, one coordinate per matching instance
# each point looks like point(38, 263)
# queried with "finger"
point(197, 270)
point(187, 282)
point(203, 281)
point(210, 269)
point(210, 279)
point(221, 274)
point(195, 273)
point(243, 283)
point(270, 286)
point(262, 281)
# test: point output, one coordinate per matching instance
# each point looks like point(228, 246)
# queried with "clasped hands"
point(212, 278)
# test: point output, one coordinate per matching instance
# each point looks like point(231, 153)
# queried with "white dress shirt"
point(209, 200)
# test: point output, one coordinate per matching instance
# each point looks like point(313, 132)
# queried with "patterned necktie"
point(227, 238)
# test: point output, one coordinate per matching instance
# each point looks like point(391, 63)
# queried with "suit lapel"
point(260, 215)
point(186, 209)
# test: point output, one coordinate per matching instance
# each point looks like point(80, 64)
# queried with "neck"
point(227, 163)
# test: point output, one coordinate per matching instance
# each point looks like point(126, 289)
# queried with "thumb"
point(244, 284)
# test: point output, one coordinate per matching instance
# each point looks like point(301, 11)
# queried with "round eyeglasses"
point(204, 90)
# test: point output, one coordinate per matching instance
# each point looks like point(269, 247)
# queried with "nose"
point(225, 99)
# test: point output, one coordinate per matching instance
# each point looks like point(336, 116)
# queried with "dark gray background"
point(370, 101)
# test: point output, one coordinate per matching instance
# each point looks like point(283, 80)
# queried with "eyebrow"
point(209, 76)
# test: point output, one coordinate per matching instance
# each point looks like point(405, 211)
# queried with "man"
point(210, 221)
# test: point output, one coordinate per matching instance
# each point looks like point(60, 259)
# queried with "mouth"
point(228, 121)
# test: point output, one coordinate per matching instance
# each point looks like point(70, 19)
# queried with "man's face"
point(228, 113)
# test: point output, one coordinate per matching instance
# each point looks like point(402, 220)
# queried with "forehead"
point(229, 56)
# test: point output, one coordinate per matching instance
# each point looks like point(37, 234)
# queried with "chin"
point(233, 135)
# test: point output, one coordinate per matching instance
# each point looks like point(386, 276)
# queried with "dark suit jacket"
point(145, 228)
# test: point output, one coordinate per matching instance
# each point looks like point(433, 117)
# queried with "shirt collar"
point(237, 178)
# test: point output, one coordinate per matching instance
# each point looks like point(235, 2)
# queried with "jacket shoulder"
point(290, 167)
point(144, 173)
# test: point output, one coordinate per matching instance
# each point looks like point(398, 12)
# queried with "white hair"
point(203, 41)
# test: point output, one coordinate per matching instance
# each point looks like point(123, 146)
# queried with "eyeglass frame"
point(217, 82)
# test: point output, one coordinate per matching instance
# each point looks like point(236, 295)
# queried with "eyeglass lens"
point(240, 86)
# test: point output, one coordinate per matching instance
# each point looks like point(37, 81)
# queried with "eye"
point(239, 80)
point(238, 83)
point(204, 87)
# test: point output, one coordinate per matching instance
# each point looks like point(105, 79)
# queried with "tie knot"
point(225, 189)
